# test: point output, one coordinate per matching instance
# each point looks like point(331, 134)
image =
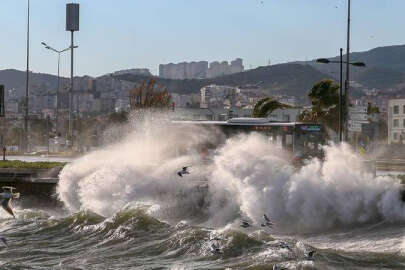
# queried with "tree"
point(148, 95)
point(324, 97)
point(265, 106)
point(372, 109)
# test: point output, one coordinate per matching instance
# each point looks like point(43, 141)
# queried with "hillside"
point(16, 79)
point(385, 70)
point(290, 79)
point(385, 67)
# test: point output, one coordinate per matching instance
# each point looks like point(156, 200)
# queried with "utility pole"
point(57, 100)
point(47, 132)
point(341, 98)
point(72, 24)
point(347, 84)
point(25, 137)
point(71, 92)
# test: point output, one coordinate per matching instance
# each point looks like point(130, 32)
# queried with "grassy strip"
point(30, 165)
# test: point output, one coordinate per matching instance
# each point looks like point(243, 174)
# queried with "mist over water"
point(247, 178)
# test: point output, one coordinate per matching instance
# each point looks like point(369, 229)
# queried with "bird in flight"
point(183, 171)
point(4, 240)
point(267, 221)
point(7, 195)
point(245, 224)
point(214, 249)
point(310, 255)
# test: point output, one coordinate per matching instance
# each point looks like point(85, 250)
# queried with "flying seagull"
point(183, 171)
point(267, 220)
point(275, 267)
point(245, 224)
point(4, 240)
point(7, 195)
point(214, 249)
point(284, 245)
point(310, 255)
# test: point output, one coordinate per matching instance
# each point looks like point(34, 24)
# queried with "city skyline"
point(145, 34)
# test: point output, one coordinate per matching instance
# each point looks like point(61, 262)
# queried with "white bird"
point(183, 171)
point(7, 195)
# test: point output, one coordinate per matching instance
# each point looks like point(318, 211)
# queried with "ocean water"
point(124, 207)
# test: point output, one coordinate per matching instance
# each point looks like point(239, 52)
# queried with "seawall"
point(36, 186)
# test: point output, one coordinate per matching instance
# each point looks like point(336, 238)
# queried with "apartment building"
point(396, 121)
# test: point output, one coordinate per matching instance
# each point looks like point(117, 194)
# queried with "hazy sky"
point(121, 34)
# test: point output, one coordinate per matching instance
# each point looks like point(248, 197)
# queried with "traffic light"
point(2, 109)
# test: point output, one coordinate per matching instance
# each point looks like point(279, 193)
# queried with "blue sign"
point(311, 128)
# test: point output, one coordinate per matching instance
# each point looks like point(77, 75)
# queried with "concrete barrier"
point(36, 186)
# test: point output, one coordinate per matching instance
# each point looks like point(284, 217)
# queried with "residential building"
point(184, 70)
point(396, 121)
point(182, 101)
point(199, 70)
point(218, 96)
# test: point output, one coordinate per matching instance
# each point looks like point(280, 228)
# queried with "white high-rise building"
point(199, 70)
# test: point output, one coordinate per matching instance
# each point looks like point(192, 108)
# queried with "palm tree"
point(265, 106)
point(324, 97)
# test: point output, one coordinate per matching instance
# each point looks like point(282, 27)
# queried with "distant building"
point(134, 71)
point(184, 70)
point(11, 106)
point(396, 121)
point(182, 101)
point(199, 70)
point(219, 69)
point(218, 96)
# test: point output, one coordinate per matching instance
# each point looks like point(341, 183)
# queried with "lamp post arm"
point(359, 64)
point(64, 50)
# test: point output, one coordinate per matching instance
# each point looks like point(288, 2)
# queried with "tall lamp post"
point(57, 89)
point(347, 82)
point(25, 136)
point(72, 25)
point(341, 113)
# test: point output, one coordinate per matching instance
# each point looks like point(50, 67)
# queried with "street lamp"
point(57, 89)
point(25, 136)
point(72, 25)
point(341, 62)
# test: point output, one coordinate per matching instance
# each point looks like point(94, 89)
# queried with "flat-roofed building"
point(396, 121)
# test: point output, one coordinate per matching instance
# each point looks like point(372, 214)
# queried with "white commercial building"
point(396, 121)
